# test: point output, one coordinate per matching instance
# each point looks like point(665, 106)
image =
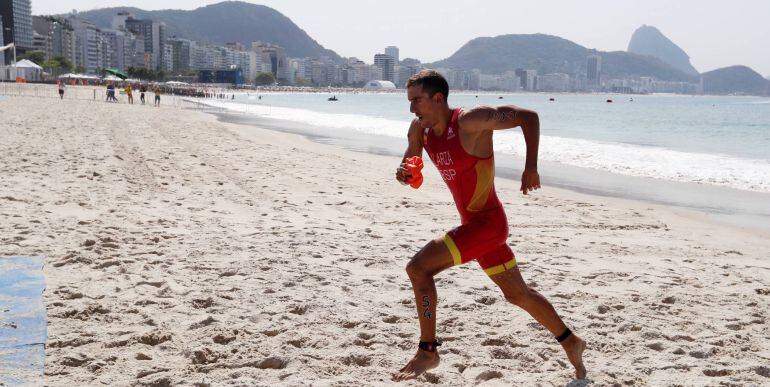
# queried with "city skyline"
point(716, 38)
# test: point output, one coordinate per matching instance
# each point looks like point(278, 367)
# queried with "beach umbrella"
point(117, 73)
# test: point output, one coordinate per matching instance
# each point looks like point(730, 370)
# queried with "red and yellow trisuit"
point(484, 230)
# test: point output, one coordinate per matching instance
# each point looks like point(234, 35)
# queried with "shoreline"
point(700, 198)
point(180, 249)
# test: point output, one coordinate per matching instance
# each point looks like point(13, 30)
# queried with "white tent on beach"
point(24, 69)
point(379, 85)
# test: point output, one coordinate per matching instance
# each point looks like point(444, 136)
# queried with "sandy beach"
point(181, 250)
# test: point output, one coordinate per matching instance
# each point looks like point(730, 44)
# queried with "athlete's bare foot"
point(421, 362)
point(574, 346)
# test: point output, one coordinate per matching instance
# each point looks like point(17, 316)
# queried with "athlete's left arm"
point(488, 118)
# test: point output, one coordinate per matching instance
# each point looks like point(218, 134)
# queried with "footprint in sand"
point(153, 338)
point(298, 309)
point(431, 378)
point(657, 346)
point(202, 303)
point(716, 373)
point(500, 353)
point(78, 360)
point(489, 375)
point(223, 339)
point(391, 319)
point(206, 322)
point(275, 363)
point(358, 360)
point(205, 356)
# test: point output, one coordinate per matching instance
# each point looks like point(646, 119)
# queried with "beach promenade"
point(180, 250)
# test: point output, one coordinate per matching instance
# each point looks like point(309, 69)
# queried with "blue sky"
point(714, 34)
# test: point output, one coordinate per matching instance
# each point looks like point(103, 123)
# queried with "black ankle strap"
point(429, 346)
point(564, 335)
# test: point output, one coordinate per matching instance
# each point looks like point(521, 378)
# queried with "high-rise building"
point(255, 66)
point(42, 43)
point(167, 58)
point(202, 58)
point(114, 48)
point(89, 52)
point(594, 70)
point(140, 59)
point(303, 70)
point(17, 26)
point(528, 78)
point(386, 63)
point(154, 34)
point(393, 52)
point(324, 72)
point(275, 56)
point(243, 61)
point(56, 37)
point(296, 70)
point(119, 20)
point(182, 54)
point(2, 57)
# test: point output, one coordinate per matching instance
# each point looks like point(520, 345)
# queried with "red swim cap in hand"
point(414, 165)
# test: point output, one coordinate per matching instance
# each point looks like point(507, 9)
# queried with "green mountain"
point(551, 54)
point(648, 40)
point(230, 21)
point(735, 80)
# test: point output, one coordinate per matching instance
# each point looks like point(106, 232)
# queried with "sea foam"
point(653, 162)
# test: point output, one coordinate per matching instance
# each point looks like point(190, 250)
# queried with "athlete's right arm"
point(413, 149)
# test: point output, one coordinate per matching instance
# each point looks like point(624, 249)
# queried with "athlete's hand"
point(403, 174)
point(530, 181)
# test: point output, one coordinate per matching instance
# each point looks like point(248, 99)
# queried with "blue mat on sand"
point(23, 330)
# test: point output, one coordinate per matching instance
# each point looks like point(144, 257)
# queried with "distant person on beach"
point(157, 95)
point(62, 86)
point(130, 94)
point(111, 92)
point(459, 142)
point(142, 90)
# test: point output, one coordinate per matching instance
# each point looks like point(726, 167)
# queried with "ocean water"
point(722, 141)
point(707, 153)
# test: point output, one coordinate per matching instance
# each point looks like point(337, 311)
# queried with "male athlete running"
point(459, 142)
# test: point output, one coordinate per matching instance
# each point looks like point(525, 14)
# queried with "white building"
point(167, 58)
point(379, 85)
point(243, 61)
point(88, 40)
point(375, 73)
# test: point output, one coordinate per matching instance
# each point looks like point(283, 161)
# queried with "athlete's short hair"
point(431, 81)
